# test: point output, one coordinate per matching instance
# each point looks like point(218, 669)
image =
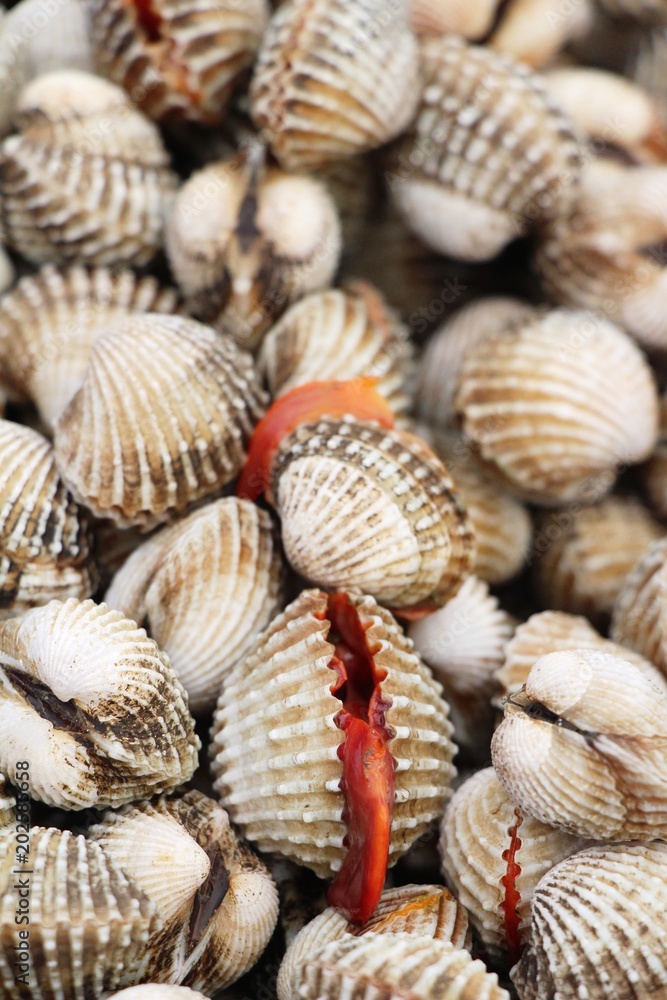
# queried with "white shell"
point(639, 615)
point(157, 991)
point(462, 17)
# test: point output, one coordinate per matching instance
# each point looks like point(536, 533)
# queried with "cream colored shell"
point(584, 747)
point(93, 704)
point(536, 31)
point(639, 615)
point(547, 417)
point(479, 828)
point(470, 19)
point(365, 507)
point(274, 748)
point(178, 58)
point(334, 78)
point(204, 588)
point(157, 991)
point(598, 926)
point(654, 473)
point(86, 178)
point(161, 420)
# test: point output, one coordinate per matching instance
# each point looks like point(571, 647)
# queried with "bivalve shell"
point(157, 991)
point(654, 473)
point(640, 611)
point(472, 20)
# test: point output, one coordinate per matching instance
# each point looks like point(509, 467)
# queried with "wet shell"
point(339, 334)
point(274, 747)
point(464, 644)
point(44, 537)
point(553, 632)
point(472, 20)
point(86, 178)
point(93, 704)
point(204, 589)
point(362, 506)
point(654, 474)
point(598, 927)
point(178, 58)
point(50, 321)
point(546, 417)
point(392, 966)
point(422, 910)
point(161, 419)
point(591, 552)
point(215, 901)
point(639, 615)
point(489, 154)
point(583, 747)
point(493, 856)
point(244, 241)
point(89, 923)
point(334, 78)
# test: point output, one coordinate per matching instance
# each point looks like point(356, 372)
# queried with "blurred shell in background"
point(654, 473)
point(641, 609)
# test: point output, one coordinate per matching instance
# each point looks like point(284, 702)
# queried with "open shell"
point(161, 420)
point(334, 79)
point(86, 178)
point(91, 701)
point(583, 747)
point(640, 612)
point(362, 506)
point(204, 588)
point(274, 747)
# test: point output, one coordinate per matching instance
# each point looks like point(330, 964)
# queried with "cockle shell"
point(178, 58)
point(598, 927)
point(392, 966)
point(591, 552)
point(640, 611)
point(204, 588)
point(50, 321)
point(339, 334)
point(93, 704)
point(86, 178)
point(488, 155)
point(654, 473)
point(584, 747)
point(88, 923)
point(472, 20)
point(353, 185)
point(334, 78)
point(546, 417)
point(161, 420)
point(215, 901)
point(44, 537)
point(493, 856)
point(244, 241)
point(464, 644)
point(422, 910)
point(535, 31)
point(366, 507)
point(553, 632)
point(274, 747)
point(157, 991)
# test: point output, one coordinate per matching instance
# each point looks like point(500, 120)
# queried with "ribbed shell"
point(591, 551)
point(334, 78)
point(7, 805)
point(173, 848)
point(93, 704)
point(640, 611)
point(488, 154)
point(161, 419)
point(470, 19)
point(598, 925)
point(553, 632)
point(421, 910)
point(44, 539)
point(178, 58)
point(393, 966)
point(365, 507)
point(602, 771)
point(50, 321)
point(88, 923)
point(275, 742)
point(204, 588)
point(244, 241)
point(654, 473)
point(157, 991)
point(476, 837)
point(464, 644)
point(547, 417)
point(86, 179)
point(339, 334)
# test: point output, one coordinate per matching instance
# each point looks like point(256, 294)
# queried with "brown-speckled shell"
point(161, 420)
point(93, 704)
point(204, 588)
point(275, 742)
point(177, 58)
point(334, 78)
point(86, 178)
point(639, 614)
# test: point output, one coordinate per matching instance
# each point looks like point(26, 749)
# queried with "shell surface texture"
point(639, 616)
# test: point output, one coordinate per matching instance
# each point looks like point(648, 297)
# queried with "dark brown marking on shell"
point(210, 895)
point(61, 714)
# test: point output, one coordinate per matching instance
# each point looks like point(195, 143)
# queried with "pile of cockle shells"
point(333, 499)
